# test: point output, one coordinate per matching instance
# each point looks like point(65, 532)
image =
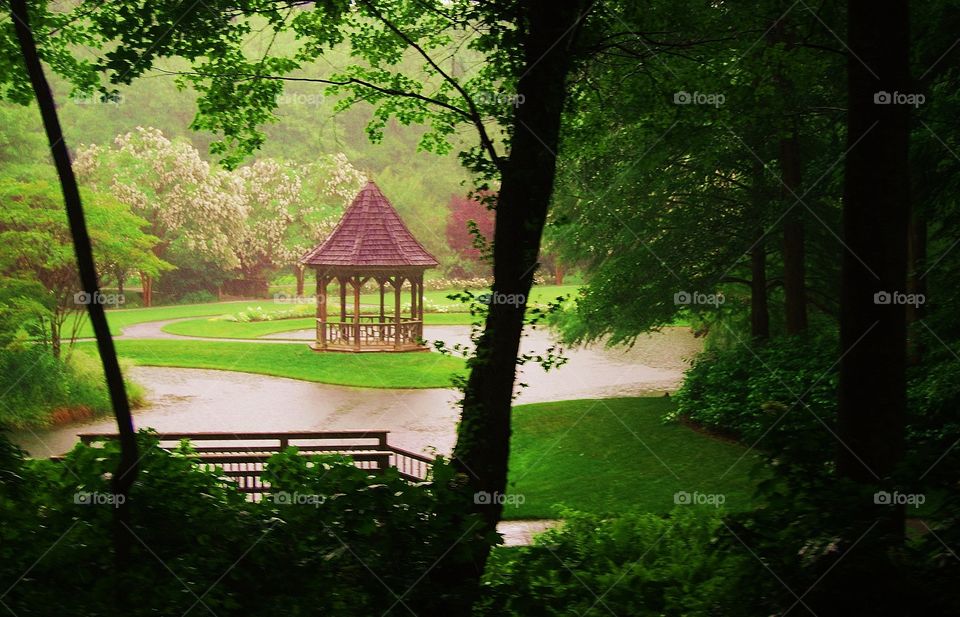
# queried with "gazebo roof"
point(370, 233)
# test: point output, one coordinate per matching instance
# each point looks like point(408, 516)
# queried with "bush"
point(335, 555)
point(36, 387)
point(197, 297)
point(778, 395)
point(256, 313)
point(635, 564)
point(813, 518)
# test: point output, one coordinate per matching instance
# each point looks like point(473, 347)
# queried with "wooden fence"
point(241, 456)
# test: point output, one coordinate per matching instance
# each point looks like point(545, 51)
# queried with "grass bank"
point(297, 361)
point(610, 455)
point(38, 390)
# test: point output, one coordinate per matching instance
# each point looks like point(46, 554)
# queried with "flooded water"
point(193, 400)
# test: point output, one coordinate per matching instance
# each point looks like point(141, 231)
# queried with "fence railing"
point(241, 456)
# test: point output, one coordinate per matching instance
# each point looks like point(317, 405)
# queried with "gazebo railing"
point(370, 332)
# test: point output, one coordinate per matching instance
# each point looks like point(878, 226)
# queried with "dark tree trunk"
point(483, 439)
point(916, 283)
point(759, 307)
point(794, 249)
point(875, 221)
point(876, 213)
point(127, 471)
point(759, 313)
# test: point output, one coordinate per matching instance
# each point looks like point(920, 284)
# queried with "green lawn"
point(297, 361)
point(590, 455)
point(121, 318)
point(219, 328)
point(434, 300)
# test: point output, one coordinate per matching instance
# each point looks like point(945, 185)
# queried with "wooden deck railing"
point(241, 456)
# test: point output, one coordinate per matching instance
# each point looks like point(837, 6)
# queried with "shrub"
point(635, 564)
point(197, 297)
point(36, 386)
point(336, 555)
point(256, 313)
point(778, 395)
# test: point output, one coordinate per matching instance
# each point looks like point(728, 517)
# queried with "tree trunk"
point(759, 306)
point(876, 213)
point(794, 249)
point(759, 312)
point(146, 284)
point(299, 270)
point(875, 221)
point(127, 470)
point(558, 272)
point(55, 340)
point(794, 258)
point(916, 282)
point(527, 177)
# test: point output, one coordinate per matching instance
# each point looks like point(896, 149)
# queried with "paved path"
point(521, 533)
point(419, 420)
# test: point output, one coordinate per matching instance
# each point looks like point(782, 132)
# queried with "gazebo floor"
point(341, 348)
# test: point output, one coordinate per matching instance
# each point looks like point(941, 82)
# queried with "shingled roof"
point(370, 233)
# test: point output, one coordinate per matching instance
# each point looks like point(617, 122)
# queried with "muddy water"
point(189, 400)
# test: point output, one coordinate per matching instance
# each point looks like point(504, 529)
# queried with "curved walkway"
point(180, 399)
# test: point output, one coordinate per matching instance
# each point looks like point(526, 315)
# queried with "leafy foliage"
point(634, 564)
point(38, 389)
point(202, 544)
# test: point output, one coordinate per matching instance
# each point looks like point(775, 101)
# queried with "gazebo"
point(370, 242)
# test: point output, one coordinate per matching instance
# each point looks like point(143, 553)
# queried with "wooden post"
point(322, 282)
point(398, 284)
point(420, 306)
point(356, 312)
point(382, 326)
point(343, 299)
point(413, 298)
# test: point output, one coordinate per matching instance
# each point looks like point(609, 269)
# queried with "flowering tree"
point(270, 196)
point(215, 224)
point(196, 212)
point(329, 184)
